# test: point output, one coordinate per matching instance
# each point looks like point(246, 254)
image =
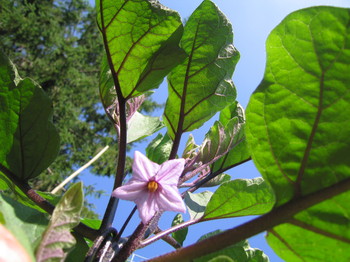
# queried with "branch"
point(277, 216)
point(77, 172)
point(82, 229)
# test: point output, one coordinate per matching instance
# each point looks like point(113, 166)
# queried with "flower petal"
point(131, 191)
point(170, 171)
point(169, 199)
point(147, 207)
point(143, 168)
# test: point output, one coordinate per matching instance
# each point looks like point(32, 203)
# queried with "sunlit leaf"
point(201, 85)
point(181, 234)
point(190, 148)
point(141, 126)
point(321, 233)
point(159, 149)
point(29, 141)
point(299, 132)
point(240, 197)
point(141, 40)
point(57, 238)
point(298, 118)
point(197, 203)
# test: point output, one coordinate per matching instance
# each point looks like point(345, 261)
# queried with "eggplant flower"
point(153, 187)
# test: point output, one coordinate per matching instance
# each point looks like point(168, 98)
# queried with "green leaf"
point(226, 138)
point(29, 141)
point(298, 129)
point(197, 203)
point(181, 234)
point(241, 252)
point(298, 118)
point(141, 126)
point(79, 250)
point(57, 237)
point(321, 233)
point(240, 197)
point(201, 85)
point(238, 150)
point(190, 148)
point(159, 149)
point(141, 40)
point(25, 223)
point(218, 180)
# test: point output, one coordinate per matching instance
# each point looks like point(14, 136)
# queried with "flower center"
point(152, 186)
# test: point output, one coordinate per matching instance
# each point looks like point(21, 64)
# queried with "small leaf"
point(201, 85)
point(141, 39)
point(141, 126)
point(25, 223)
point(197, 203)
point(29, 141)
point(190, 148)
point(240, 197)
point(218, 180)
point(57, 237)
point(159, 149)
point(181, 234)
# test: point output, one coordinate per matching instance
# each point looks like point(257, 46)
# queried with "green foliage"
point(142, 51)
point(241, 252)
point(29, 140)
point(201, 85)
point(181, 234)
point(159, 149)
point(240, 197)
point(141, 126)
point(196, 203)
point(298, 129)
point(57, 238)
point(25, 223)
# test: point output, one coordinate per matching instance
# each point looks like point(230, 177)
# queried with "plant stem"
point(122, 141)
point(232, 236)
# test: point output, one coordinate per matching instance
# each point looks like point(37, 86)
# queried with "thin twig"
point(77, 172)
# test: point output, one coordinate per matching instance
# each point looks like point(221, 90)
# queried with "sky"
point(252, 21)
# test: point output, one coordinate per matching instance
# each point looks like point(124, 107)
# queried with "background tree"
point(57, 44)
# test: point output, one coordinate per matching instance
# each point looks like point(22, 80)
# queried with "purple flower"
point(153, 187)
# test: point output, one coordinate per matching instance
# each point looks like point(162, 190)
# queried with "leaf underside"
point(299, 129)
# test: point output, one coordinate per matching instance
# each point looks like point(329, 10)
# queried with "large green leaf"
point(240, 197)
point(141, 39)
point(29, 141)
point(201, 85)
point(298, 118)
point(321, 233)
point(299, 129)
point(57, 237)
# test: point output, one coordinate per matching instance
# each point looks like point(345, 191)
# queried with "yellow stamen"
point(152, 186)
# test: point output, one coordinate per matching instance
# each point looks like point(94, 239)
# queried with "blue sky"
point(252, 21)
